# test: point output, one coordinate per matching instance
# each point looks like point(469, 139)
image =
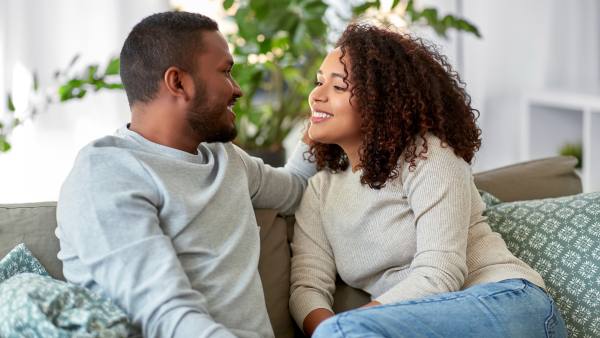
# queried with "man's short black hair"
point(156, 43)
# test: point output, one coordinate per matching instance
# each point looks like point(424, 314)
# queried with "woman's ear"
point(179, 83)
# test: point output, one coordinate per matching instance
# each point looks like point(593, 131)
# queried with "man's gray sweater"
point(170, 236)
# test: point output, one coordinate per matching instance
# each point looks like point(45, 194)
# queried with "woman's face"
point(334, 119)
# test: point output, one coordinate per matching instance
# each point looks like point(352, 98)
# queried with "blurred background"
point(532, 68)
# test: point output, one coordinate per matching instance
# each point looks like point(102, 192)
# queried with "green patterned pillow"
point(19, 260)
point(39, 306)
point(559, 238)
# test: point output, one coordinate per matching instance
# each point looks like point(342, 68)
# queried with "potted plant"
point(279, 52)
point(280, 45)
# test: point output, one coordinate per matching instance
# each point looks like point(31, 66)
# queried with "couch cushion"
point(20, 260)
point(32, 224)
point(549, 177)
point(559, 238)
point(274, 269)
point(39, 306)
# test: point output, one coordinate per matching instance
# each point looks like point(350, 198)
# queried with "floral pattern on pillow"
point(20, 260)
point(39, 306)
point(560, 239)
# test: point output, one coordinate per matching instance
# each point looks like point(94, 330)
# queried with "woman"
point(394, 210)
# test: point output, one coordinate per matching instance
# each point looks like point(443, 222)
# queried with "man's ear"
point(179, 83)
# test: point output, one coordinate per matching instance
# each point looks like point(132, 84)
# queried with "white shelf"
point(552, 119)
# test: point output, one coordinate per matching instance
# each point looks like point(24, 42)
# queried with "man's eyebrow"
point(332, 74)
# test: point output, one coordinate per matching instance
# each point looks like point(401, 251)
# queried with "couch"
point(34, 224)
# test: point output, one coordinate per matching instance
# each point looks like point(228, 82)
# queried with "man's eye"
point(318, 83)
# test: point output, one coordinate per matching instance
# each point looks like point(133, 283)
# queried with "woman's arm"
point(314, 318)
point(439, 194)
point(313, 268)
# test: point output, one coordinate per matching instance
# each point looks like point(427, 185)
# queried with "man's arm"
point(278, 188)
point(108, 212)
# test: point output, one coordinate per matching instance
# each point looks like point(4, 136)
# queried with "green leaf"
point(314, 10)
point(291, 73)
point(81, 93)
point(113, 66)
point(431, 14)
point(66, 91)
point(358, 10)
point(299, 34)
point(4, 145)
point(91, 71)
point(11, 105)
point(466, 26)
point(262, 9)
point(395, 3)
point(227, 4)
point(114, 86)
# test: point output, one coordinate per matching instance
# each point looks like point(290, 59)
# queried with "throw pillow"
point(20, 260)
point(559, 238)
point(39, 306)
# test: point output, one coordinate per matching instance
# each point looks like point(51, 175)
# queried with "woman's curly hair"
point(403, 88)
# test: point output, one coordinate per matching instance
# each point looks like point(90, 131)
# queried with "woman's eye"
point(318, 83)
point(339, 88)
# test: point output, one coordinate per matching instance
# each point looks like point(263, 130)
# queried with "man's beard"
point(206, 120)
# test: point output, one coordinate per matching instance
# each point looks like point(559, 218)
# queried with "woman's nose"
point(318, 95)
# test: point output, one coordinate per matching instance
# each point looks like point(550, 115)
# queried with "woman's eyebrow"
point(332, 74)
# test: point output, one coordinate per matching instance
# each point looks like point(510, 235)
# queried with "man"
point(159, 217)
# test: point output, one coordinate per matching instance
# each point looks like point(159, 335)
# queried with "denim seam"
point(551, 317)
point(338, 327)
point(413, 302)
point(515, 291)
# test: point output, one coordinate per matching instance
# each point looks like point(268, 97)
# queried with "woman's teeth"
point(321, 115)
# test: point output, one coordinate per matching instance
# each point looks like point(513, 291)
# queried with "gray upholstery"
point(32, 224)
point(544, 178)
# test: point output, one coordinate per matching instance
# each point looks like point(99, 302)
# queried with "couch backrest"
point(543, 178)
point(32, 224)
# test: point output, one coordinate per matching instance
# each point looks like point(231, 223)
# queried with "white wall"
point(44, 35)
point(527, 46)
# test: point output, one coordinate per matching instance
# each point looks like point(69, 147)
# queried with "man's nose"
point(237, 91)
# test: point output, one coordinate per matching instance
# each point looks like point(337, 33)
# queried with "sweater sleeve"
point(313, 268)
point(438, 192)
point(108, 212)
point(278, 188)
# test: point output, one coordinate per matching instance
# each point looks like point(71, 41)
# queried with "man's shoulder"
point(107, 152)
point(112, 147)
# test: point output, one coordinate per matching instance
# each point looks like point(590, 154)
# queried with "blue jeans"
point(510, 308)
